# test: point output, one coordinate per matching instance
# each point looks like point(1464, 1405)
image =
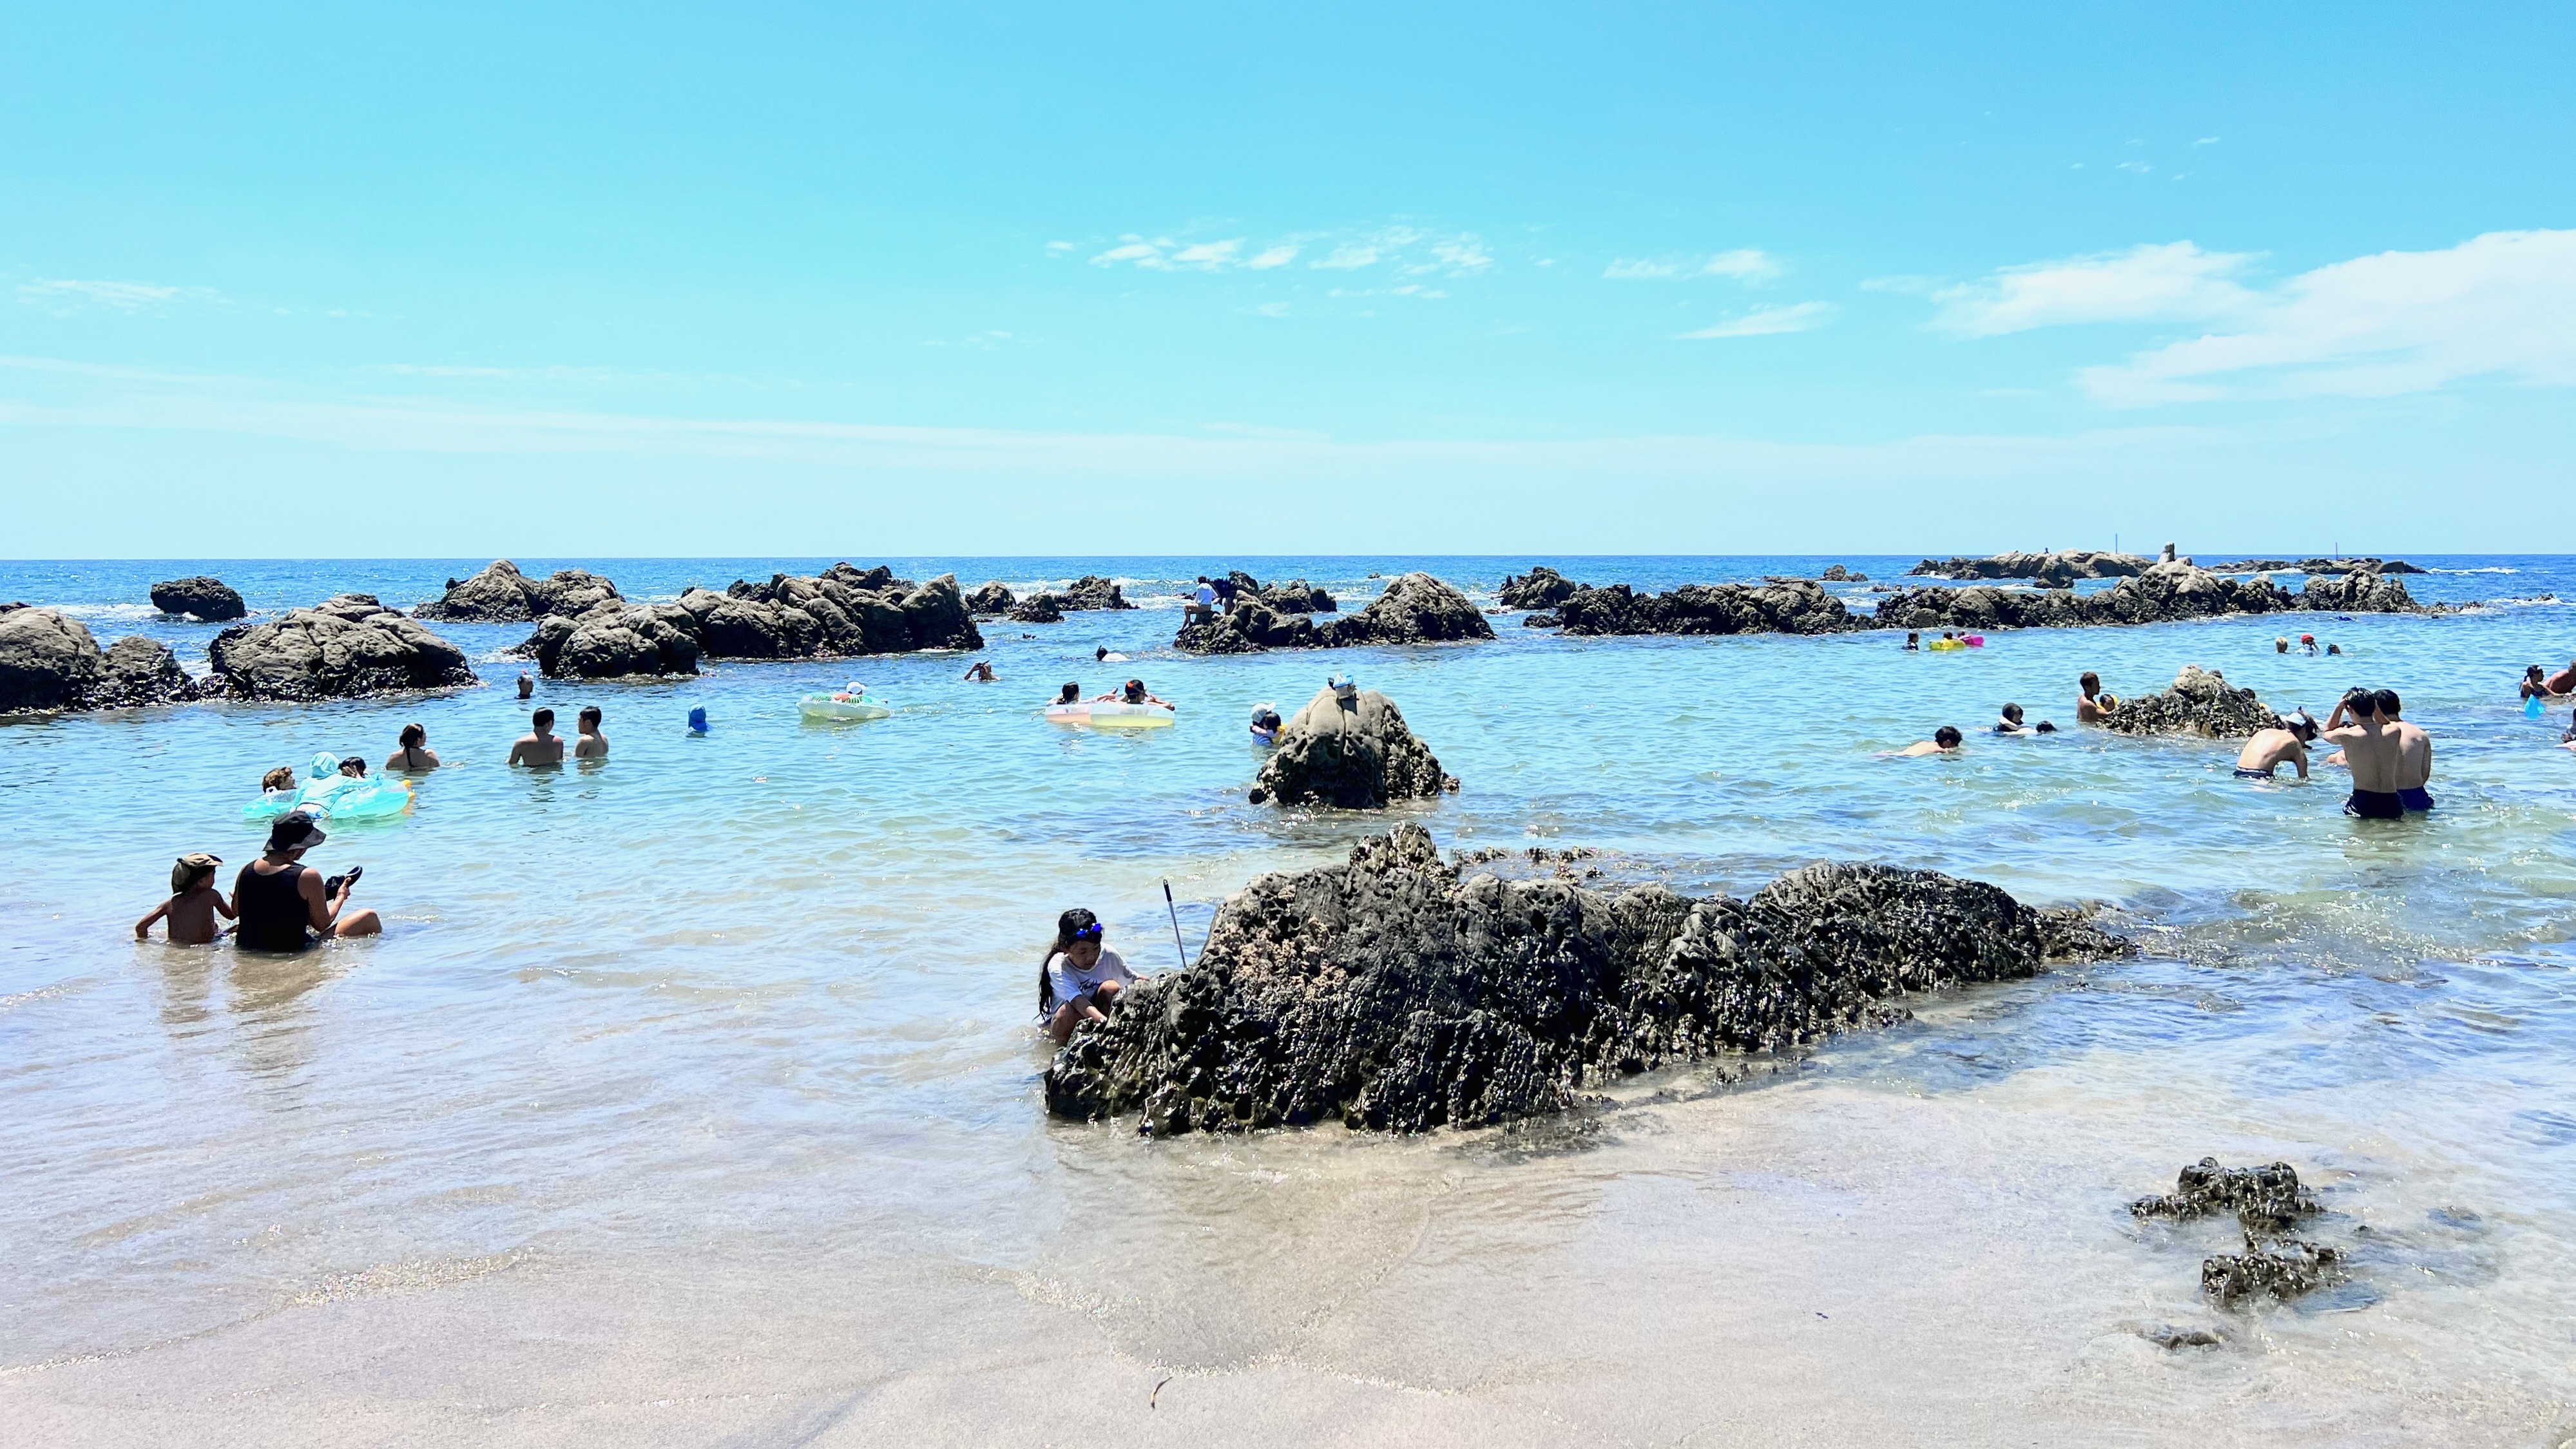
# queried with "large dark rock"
point(1092, 592)
point(1037, 609)
point(51, 662)
point(2317, 566)
point(615, 640)
point(1293, 597)
point(2058, 567)
point(2163, 593)
point(200, 597)
point(843, 612)
point(1391, 993)
point(2200, 703)
point(1354, 752)
point(1787, 606)
point(345, 646)
point(1415, 609)
point(992, 598)
point(1541, 588)
point(500, 594)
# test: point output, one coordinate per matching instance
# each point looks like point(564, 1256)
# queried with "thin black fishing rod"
point(1175, 913)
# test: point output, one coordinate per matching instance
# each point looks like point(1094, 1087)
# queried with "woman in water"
point(415, 754)
point(284, 904)
point(1081, 980)
point(1132, 693)
point(1071, 693)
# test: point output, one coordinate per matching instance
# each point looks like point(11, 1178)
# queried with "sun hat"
point(294, 830)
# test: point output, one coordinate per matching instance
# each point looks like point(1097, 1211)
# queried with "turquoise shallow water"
point(761, 999)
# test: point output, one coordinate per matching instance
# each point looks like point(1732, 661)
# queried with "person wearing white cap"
point(286, 906)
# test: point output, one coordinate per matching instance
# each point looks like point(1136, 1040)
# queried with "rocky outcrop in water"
point(1393, 992)
point(1415, 609)
point(992, 598)
point(49, 661)
point(1293, 597)
point(2163, 593)
point(342, 647)
point(1791, 606)
point(1837, 574)
point(843, 612)
point(2317, 566)
point(1037, 609)
point(2201, 702)
point(2059, 567)
point(1351, 751)
point(199, 597)
point(2269, 1205)
point(1091, 592)
point(1541, 588)
point(500, 594)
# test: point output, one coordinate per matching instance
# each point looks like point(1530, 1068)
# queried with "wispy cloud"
point(1744, 264)
point(2173, 282)
point(2498, 305)
point(64, 296)
point(1770, 321)
point(1407, 250)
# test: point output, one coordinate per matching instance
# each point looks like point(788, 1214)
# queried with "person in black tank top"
point(286, 906)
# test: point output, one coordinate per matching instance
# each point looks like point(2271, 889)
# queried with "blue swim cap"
point(698, 720)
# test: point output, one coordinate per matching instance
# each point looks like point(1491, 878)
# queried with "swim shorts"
point(2414, 798)
point(2243, 773)
point(2375, 805)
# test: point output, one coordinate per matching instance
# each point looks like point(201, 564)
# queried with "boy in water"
point(2370, 751)
point(193, 904)
point(540, 745)
point(2414, 752)
point(592, 745)
point(1944, 741)
point(2286, 741)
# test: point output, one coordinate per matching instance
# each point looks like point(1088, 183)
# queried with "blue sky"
point(1489, 278)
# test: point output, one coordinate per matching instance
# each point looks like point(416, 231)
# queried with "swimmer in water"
point(1913, 639)
point(1944, 741)
point(592, 745)
point(2285, 742)
point(1133, 693)
point(1106, 655)
point(194, 902)
point(2370, 749)
point(2414, 752)
point(527, 686)
point(1265, 725)
point(2281, 645)
point(1071, 693)
point(980, 672)
point(415, 754)
point(2308, 642)
point(2092, 706)
point(2334, 649)
point(540, 745)
point(2011, 723)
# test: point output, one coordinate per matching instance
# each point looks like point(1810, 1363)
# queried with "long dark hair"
point(1067, 926)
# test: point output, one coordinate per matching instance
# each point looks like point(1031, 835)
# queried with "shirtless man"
point(2092, 706)
point(2414, 752)
point(2285, 741)
point(592, 745)
point(540, 745)
point(1944, 741)
point(2370, 749)
point(980, 672)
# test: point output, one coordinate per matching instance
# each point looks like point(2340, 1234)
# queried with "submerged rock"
point(1415, 609)
point(1352, 752)
point(199, 597)
point(1092, 592)
point(344, 646)
point(2161, 593)
point(1541, 588)
point(2200, 703)
point(1788, 606)
point(1391, 992)
point(2265, 1199)
point(992, 598)
point(500, 594)
point(2280, 1268)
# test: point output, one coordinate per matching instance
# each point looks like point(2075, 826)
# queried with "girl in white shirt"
point(1080, 981)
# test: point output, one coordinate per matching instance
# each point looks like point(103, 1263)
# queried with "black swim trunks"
point(2243, 773)
point(2414, 798)
point(2375, 805)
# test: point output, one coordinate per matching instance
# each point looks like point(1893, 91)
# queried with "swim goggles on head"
point(1088, 933)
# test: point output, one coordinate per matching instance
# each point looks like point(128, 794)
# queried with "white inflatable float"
point(852, 702)
point(1115, 714)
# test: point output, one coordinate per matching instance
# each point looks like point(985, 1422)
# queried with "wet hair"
point(1069, 927)
point(2531, 671)
point(2334, 649)
point(2360, 701)
point(1100, 651)
point(1135, 690)
point(281, 778)
point(412, 737)
point(2384, 701)
point(1072, 693)
point(590, 714)
point(2013, 712)
point(1947, 737)
point(2090, 682)
point(542, 718)
point(2045, 728)
point(355, 767)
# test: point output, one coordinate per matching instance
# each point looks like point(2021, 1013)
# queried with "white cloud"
point(1142, 253)
point(1278, 256)
point(2206, 141)
point(2176, 281)
point(1207, 256)
point(1770, 321)
point(1059, 246)
point(2498, 305)
point(1410, 251)
point(1271, 309)
point(1350, 256)
point(1744, 264)
point(2140, 167)
point(63, 296)
point(1466, 254)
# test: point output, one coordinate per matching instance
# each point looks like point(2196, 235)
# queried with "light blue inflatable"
point(333, 796)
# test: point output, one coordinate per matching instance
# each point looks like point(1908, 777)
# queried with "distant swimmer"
point(592, 745)
point(527, 686)
point(2284, 743)
point(1944, 741)
point(2308, 642)
point(2011, 724)
point(540, 745)
point(2534, 686)
point(195, 900)
point(2092, 706)
point(1107, 655)
point(2281, 645)
point(1071, 693)
point(1080, 980)
point(2333, 650)
point(1265, 725)
point(1133, 692)
point(697, 719)
point(1913, 639)
point(2414, 752)
point(415, 754)
point(2370, 750)
point(980, 672)
point(281, 778)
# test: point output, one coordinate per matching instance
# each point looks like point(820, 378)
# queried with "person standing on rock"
point(592, 745)
point(1081, 980)
point(2370, 751)
point(1202, 609)
point(415, 754)
point(2414, 752)
point(540, 745)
